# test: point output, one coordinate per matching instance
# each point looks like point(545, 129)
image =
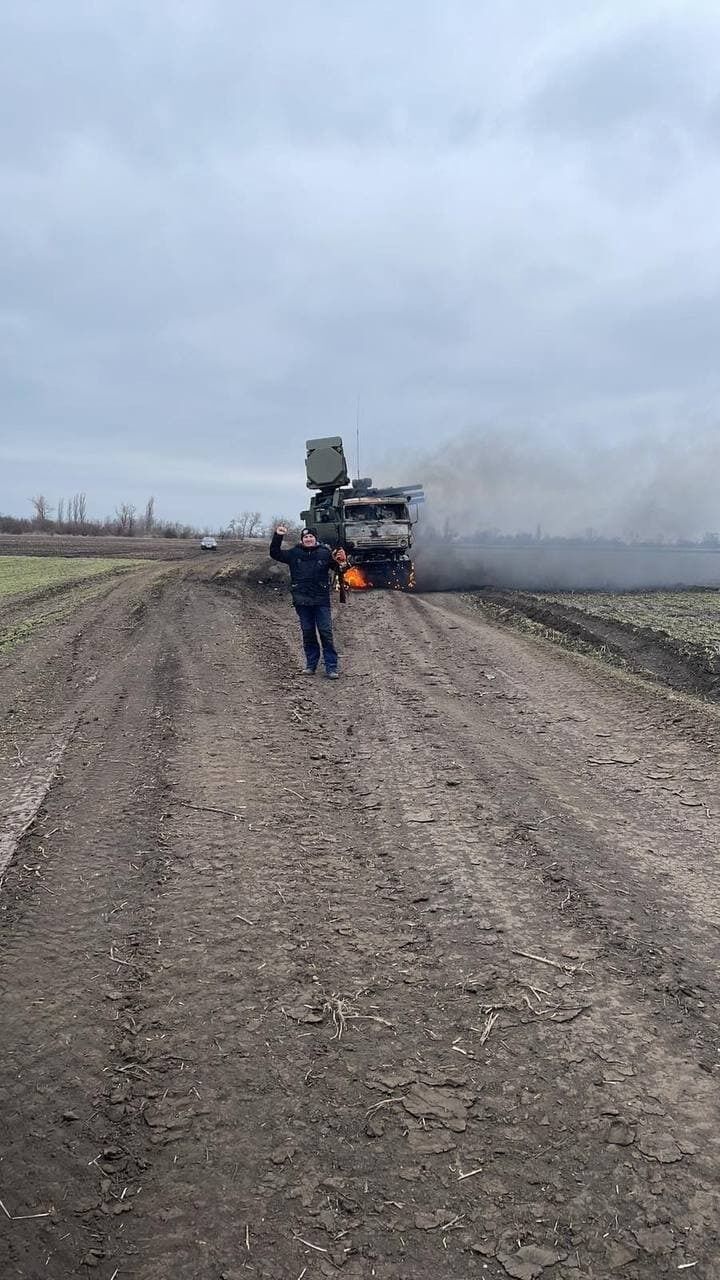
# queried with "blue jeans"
point(316, 619)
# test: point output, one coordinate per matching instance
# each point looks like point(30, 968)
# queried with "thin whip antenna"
point(357, 437)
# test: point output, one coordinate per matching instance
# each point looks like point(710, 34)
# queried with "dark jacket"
point(309, 570)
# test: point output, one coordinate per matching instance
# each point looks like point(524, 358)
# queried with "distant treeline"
point(71, 517)
point(98, 528)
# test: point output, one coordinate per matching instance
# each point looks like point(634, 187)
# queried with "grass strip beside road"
point(19, 574)
point(51, 597)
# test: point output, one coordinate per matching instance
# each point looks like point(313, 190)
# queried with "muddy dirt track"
point(410, 976)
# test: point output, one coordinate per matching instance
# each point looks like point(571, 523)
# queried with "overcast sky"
point(221, 222)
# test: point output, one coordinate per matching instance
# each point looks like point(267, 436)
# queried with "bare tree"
point(125, 515)
point(241, 523)
point(149, 517)
point(43, 509)
point(253, 524)
point(60, 517)
point(292, 526)
point(77, 511)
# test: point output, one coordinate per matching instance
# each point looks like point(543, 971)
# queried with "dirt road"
point(410, 976)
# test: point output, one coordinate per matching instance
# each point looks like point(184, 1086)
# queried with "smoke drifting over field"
point(484, 489)
point(644, 489)
point(552, 567)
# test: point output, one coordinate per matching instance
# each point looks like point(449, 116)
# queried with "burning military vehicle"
point(373, 526)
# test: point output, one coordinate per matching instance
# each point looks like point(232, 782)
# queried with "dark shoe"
point(309, 671)
point(333, 675)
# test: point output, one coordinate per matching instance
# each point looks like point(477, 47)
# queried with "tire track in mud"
point(22, 795)
point(619, 863)
point(591, 1052)
point(308, 888)
point(71, 961)
point(610, 776)
point(477, 859)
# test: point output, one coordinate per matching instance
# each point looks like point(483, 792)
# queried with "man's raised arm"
point(276, 550)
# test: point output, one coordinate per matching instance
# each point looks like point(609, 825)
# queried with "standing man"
point(310, 564)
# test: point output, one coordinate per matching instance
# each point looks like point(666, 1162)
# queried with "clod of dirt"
point(617, 1073)
point(303, 1013)
point(569, 1014)
point(661, 1147)
point(391, 1080)
point(153, 1118)
point(326, 1219)
point(156, 1120)
point(281, 1154)
point(120, 1206)
point(619, 1255)
point(93, 1258)
point(655, 1239)
point(430, 1221)
point(429, 1144)
point(621, 1134)
point(451, 1078)
point(627, 760)
point(437, 1104)
point(529, 1261)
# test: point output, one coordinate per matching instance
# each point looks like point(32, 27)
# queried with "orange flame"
point(356, 579)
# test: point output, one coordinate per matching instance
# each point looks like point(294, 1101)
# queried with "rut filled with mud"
point(412, 975)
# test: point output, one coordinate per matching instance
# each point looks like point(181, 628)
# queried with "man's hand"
point(281, 529)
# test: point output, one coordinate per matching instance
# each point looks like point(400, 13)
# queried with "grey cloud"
point(216, 229)
point(649, 71)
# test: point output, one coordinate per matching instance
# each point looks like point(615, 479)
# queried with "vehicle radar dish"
point(325, 463)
